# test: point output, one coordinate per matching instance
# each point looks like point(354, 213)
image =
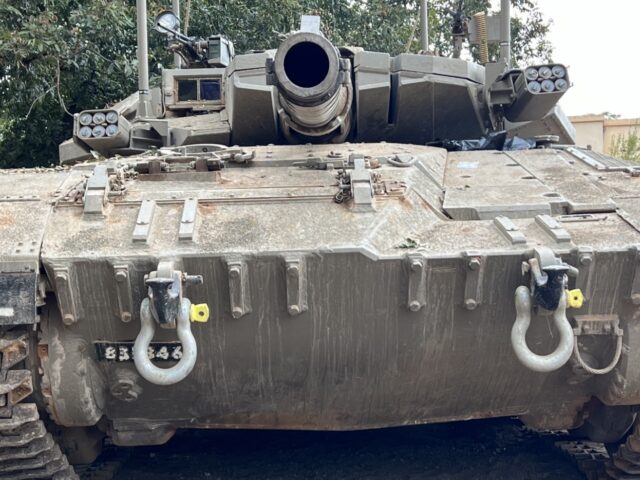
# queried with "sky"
point(598, 41)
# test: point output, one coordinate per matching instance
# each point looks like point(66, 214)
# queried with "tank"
point(322, 238)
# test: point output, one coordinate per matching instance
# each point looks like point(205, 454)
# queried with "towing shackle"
point(548, 288)
point(533, 361)
point(177, 373)
point(165, 306)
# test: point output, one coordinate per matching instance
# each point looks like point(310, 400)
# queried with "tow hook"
point(166, 306)
point(548, 290)
point(607, 325)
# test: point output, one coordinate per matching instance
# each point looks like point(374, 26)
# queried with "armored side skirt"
point(337, 341)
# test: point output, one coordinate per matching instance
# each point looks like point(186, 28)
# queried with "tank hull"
point(326, 315)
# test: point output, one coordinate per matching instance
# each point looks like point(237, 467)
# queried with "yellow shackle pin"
point(199, 313)
point(575, 298)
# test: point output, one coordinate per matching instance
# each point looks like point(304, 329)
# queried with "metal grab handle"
point(598, 371)
point(564, 350)
point(165, 376)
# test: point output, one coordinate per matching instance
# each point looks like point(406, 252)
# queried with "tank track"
point(625, 462)
point(591, 458)
point(27, 450)
point(595, 462)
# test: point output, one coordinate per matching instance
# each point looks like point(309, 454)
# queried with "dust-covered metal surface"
point(347, 286)
point(175, 281)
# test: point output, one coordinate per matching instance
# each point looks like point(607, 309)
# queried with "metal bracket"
point(509, 230)
point(143, 222)
point(296, 278)
point(417, 295)
point(597, 325)
point(165, 292)
point(548, 277)
point(475, 264)
point(361, 185)
point(65, 295)
point(239, 295)
point(123, 290)
point(585, 258)
point(97, 189)
point(188, 220)
point(553, 228)
point(634, 295)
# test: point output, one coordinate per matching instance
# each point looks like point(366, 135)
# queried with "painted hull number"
point(123, 351)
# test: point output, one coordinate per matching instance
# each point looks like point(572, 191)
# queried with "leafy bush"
point(627, 147)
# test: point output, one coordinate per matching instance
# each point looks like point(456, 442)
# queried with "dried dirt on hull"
point(492, 449)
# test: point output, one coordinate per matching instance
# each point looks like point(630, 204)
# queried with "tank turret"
point(310, 91)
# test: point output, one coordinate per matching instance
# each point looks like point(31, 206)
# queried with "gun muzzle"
point(314, 86)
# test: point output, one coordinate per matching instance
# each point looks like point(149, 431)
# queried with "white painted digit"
point(123, 354)
point(110, 353)
point(151, 352)
point(163, 353)
point(176, 354)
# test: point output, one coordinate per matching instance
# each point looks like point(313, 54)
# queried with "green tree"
point(59, 57)
point(627, 147)
point(62, 56)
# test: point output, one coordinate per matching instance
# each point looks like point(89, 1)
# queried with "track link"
point(625, 462)
point(591, 458)
point(27, 450)
point(596, 463)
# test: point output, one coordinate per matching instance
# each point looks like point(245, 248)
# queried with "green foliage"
point(627, 147)
point(59, 57)
point(62, 56)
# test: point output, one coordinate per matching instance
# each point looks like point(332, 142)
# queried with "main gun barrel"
point(314, 88)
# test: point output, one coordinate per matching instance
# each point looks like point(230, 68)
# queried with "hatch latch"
point(357, 184)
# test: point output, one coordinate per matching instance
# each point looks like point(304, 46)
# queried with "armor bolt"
point(414, 306)
point(470, 304)
point(474, 264)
